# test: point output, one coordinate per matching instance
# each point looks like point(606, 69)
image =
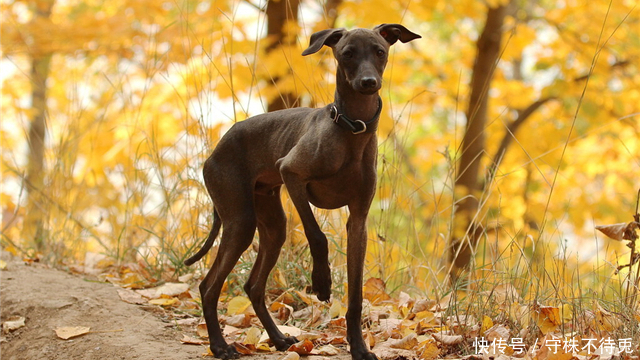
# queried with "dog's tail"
point(210, 239)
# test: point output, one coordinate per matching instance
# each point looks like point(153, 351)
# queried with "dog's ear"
point(395, 32)
point(329, 37)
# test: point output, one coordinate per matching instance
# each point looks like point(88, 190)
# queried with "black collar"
point(355, 126)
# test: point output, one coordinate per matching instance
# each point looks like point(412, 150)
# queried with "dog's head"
point(361, 53)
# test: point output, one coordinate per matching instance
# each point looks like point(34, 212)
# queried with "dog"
point(325, 157)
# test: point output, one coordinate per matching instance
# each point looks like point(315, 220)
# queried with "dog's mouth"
point(369, 91)
point(366, 90)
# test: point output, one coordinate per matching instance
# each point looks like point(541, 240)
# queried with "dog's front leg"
point(297, 188)
point(356, 251)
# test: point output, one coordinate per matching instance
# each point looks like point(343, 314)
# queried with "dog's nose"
point(369, 82)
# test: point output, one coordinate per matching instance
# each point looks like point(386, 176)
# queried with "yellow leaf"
point(163, 301)
point(238, 305)
point(605, 320)
point(430, 351)
point(252, 336)
point(487, 323)
point(406, 343)
point(263, 347)
point(275, 306)
point(279, 279)
point(201, 330)
point(547, 318)
point(374, 291)
point(567, 311)
point(3, 264)
point(133, 280)
point(68, 332)
point(286, 330)
point(337, 309)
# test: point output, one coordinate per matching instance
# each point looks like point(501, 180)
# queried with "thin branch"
point(511, 130)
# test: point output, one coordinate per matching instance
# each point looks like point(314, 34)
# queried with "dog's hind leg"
point(272, 223)
point(239, 225)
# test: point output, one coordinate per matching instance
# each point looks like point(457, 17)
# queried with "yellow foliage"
point(140, 92)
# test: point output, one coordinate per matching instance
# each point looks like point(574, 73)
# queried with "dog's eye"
point(348, 54)
point(380, 53)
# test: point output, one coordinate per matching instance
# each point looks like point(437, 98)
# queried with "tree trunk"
point(466, 231)
point(33, 227)
point(278, 14)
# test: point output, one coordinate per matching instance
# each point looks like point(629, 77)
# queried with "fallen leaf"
point(131, 297)
point(185, 278)
point(133, 280)
point(193, 341)
point(374, 290)
point(547, 318)
point(442, 305)
point(548, 352)
point(520, 313)
point(405, 303)
point(263, 347)
point(279, 279)
point(171, 289)
point(276, 305)
point(606, 320)
point(3, 264)
point(252, 336)
point(304, 297)
point(430, 351)
point(487, 323)
point(497, 332)
point(407, 343)
point(242, 349)
point(384, 352)
point(370, 339)
point(68, 332)
point(284, 313)
point(239, 321)
point(309, 335)
point(238, 305)
point(291, 356)
point(164, 301)
point(303, 347)
point(230, 330)
point(201, 330)
point(12, 323)
point(448, 339)
point(326, 350)
point(422, 305)
point(286, 330)
point(337, 309)
point(387, 326)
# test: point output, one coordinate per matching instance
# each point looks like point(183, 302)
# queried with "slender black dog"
point(326, 157)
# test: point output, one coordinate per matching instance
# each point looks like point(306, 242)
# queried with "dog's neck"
point(354, 104)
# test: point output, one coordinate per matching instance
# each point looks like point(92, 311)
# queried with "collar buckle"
point(364, 127)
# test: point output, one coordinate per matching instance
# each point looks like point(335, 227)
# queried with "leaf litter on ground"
point(395, 328)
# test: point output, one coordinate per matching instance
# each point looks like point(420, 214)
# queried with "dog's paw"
point(321, 283)
point(285, 343)
point(363, 355)
point(225, 352)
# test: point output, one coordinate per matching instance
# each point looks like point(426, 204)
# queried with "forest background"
point(509, 131)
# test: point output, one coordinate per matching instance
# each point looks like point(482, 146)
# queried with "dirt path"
point(49, 298)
